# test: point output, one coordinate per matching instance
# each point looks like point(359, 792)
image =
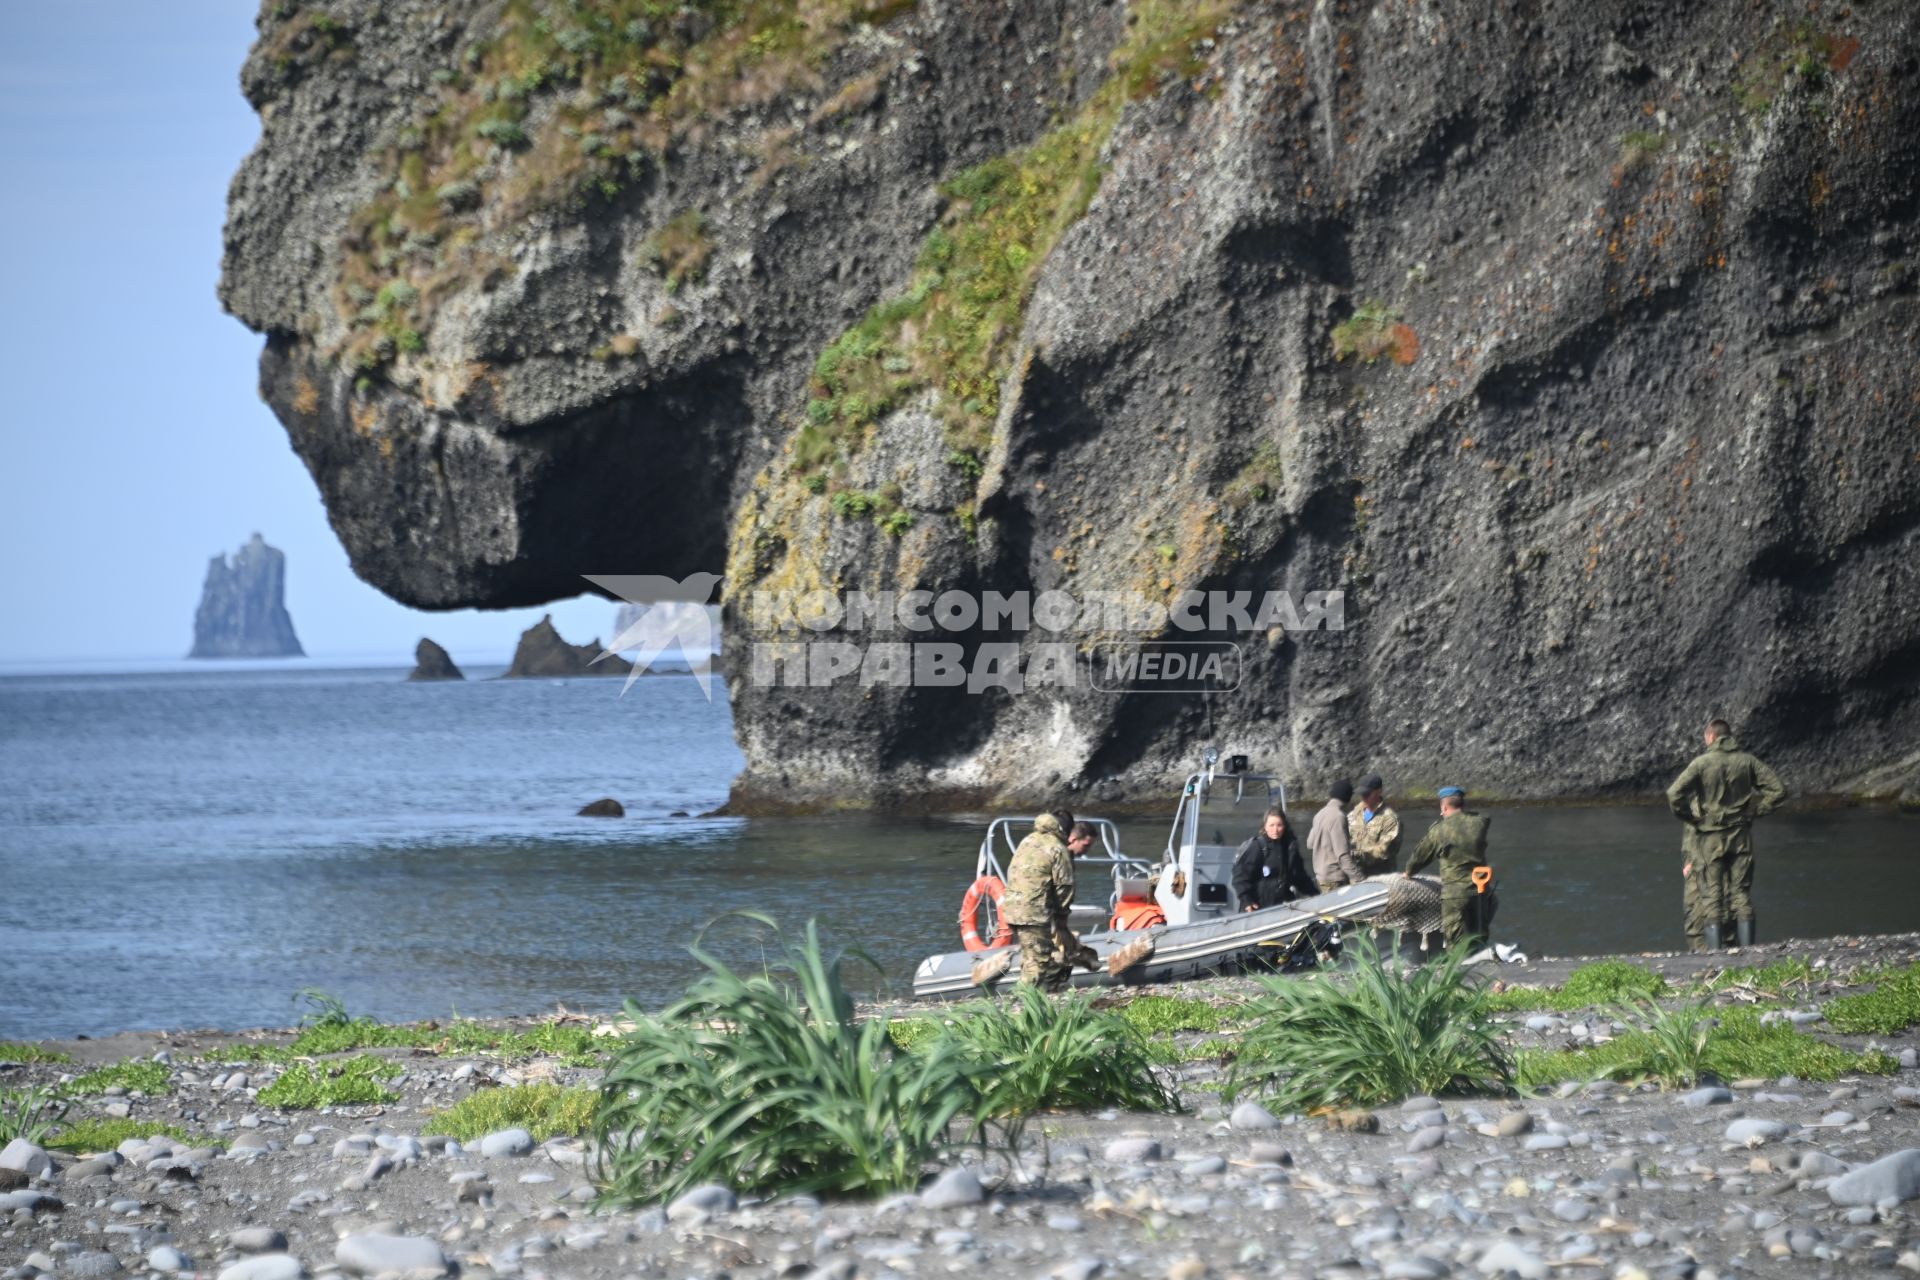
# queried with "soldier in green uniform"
point(1718, 796)
point(1040, 896)
point(1458, 843)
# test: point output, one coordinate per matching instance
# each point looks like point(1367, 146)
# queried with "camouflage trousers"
point(1041, 964)
point(1463, 914)
point(1719, 888)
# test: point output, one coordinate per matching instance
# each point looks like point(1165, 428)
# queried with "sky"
point(136, 446)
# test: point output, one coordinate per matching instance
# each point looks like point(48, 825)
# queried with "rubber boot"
point(1743, 930)
point(1713, 936)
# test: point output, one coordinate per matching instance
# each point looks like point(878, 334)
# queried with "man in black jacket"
point(1268, 870)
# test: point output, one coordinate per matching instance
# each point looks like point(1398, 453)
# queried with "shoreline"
point(1838, 951)
point(203, 1162)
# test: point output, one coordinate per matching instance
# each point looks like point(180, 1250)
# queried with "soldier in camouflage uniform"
point(1718, 796)
point(1039, 897)
point(1458, 843)
point(1373, 829)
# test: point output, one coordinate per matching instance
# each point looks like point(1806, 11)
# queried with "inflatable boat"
point(1177, 918)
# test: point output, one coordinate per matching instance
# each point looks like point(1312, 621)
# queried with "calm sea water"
point(189, 849)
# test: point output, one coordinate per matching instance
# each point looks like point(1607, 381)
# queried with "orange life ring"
point(985, 887)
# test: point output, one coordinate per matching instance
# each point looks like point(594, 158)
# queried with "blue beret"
point(1451, 791)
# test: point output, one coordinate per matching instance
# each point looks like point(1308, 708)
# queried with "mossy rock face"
point(1211, 296)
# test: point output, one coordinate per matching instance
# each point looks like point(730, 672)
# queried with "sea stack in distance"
point(243, 608)
point(431, 662)
point(542, 652)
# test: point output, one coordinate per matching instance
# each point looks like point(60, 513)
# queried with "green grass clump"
point(357, 1033)
point(29, 1113)
point(560, 104)
point(135, 1073)
point(1609, 982)
point(97, 1134)
point(911, 1035)
point(1787, 976)
point(1371, 1036)
point(18, 1051)
point(956, 327)
point(1739, 1047)
point(349, 1082)
point(1373, 331)
point(543, 1110)
point(1637, 146)
point(767, 1084)
point(1893, 1005)
point(1795, 49)
point(1672, 1044)
point(1034, 1052)
point(680, 250)
point(1152, 1015)
point(572, 1042)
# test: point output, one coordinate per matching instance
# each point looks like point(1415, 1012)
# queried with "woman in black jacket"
point(1268, 870)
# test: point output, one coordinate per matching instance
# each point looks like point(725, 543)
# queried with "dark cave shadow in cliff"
point(639, 484)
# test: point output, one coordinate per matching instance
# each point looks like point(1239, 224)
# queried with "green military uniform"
point(1039, 895)
point(1718, 796)
point(1458, 843)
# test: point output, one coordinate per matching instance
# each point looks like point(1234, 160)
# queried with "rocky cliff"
point(1573, 344)
point(243, 606)
point(431, 662)
point(542, 651)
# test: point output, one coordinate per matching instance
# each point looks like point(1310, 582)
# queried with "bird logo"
point(654, 632)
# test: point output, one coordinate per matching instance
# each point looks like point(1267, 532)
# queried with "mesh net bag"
point(1413, 905)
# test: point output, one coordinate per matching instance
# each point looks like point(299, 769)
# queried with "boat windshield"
point(1228, 808)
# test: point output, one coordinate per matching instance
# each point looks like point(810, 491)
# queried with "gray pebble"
point(265, 1267)
point(1893, 1178)
point(93, 1262)
point(33, 1201)
point(1414, 1267)
point(1708, 1096)
point(1546, 1142)
point(1420, 1102)
point(97, 1167)
point(1428, 1120)
point(27, 1157)
point(1753, 1129)
point(258, 1240)
point(1063, 1222)
point(952, 1189)
point(1505, 1255)
point(711, 1198)
point(1515, 1123)
point(1427, 1139)
point(1571, 1210)
point(375, 1254)
point(1818, 1164)
point(165, 1257)
point(1251, 1115)
point(1081, 1268)
point(1132, 1150)
point(507, 1142)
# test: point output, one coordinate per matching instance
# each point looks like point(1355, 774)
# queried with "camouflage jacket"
point(1376, 844)
point(1724, 788)
point(1457, 843)
point(1040, 877)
